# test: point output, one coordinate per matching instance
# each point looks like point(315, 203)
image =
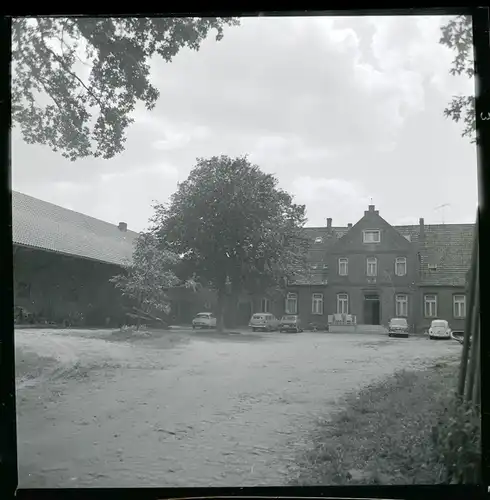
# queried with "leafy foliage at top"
point(233, 226)
point(90, 118)
point(147, 278)
point(457, 35)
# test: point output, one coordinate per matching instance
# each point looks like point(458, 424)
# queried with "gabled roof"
point(448, 247)
point(42, 225)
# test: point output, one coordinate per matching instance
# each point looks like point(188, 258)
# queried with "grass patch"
point(405, 430)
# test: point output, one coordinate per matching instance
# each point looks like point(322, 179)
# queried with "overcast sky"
point(341, 110)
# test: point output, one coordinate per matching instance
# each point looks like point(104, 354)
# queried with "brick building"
point(375, 271)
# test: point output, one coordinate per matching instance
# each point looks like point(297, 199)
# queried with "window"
point(371, 236)
point(342, 303)
point(401, 266)
point(401, 309)
point(430, 306)
point(432, 267)
point(343, 267)
point(459, 306)
point(372, 266)
point(317, 303)
point(325, 266)
point(292, 303)
point(265, 305)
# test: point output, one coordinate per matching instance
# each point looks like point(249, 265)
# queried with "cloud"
point(343, 200)
point(331, 97)
point(339, 109)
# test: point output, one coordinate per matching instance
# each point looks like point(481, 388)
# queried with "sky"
point(346, 112)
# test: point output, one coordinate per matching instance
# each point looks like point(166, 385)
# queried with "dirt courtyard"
point(97, 409)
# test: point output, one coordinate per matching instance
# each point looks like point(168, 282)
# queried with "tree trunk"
point(220, 309)
point(233, 312)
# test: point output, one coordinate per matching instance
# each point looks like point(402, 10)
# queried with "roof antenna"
point(443, 210)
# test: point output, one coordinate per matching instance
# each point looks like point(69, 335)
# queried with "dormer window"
point(371, 236)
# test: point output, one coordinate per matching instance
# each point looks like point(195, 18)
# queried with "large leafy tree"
point(90, 117)
point(148, 277)
point(237, 231)
point(457, 35)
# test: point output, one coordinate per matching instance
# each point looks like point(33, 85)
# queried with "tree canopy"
point(234, 227)
point(148, 277)
point(90, 117)
point(457, 35)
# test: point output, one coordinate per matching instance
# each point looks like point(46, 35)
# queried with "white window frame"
point(401, 260)
point(265, 301)
point(430, 305)
point(401, 305)
point(373, 232)
point(293, 297)
point(342, 303)
point(370, 261)
point(459, 306)
point(344, 261)
point(317, 303)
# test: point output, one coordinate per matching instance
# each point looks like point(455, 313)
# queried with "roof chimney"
point(349, 225)
point(370, 210)
point(421, 229)
point(329, 223)
point(123, 226)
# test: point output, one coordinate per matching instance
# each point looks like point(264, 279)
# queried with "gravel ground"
point(99, 409)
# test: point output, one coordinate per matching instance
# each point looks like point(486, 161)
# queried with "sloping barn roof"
point(42, 225)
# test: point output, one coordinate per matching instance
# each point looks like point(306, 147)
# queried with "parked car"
point(439, 329)
point(290, 323)
point(398, 327)
point(204, 320)
point(264, 321)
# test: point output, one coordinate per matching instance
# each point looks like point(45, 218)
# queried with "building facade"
point(63, 261)
point(374, 271)
point(371, 270)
